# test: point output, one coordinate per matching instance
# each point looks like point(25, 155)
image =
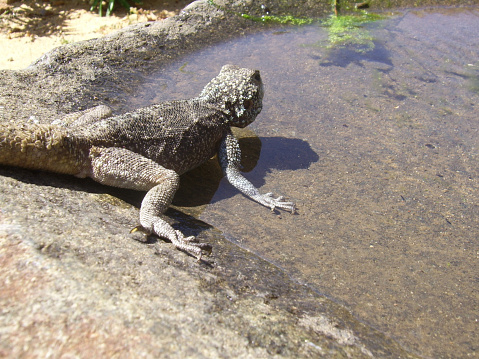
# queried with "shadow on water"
point(287, 153)
point(198, 187)
point(379, 150)
point(354, 54)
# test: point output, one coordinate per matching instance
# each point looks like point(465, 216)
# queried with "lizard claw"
point(140, 229)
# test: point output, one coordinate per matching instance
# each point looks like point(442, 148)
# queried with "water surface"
point(380, 152)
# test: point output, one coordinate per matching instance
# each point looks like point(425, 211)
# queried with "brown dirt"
point(30, 28)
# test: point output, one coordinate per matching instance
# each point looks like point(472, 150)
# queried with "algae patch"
point(473, 78)
point(286, 19)
point(350, 31)
point(267, 17)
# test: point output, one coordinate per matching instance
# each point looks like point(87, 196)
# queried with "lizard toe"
point(268, 200)
point(191, 245)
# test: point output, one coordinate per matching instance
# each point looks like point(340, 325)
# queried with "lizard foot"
point(190, 245)
point(269, 201)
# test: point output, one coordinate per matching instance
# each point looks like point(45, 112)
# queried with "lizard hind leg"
point(85, 117)
point(153, 204)
point(120, 167)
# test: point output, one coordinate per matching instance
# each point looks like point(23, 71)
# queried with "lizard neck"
point(227, 111)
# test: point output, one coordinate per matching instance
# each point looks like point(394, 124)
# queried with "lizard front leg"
point(123, 168)
point(229, 156)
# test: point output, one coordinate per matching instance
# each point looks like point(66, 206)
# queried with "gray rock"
point(75, 283)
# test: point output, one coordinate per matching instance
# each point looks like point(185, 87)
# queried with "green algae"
point(343, 30)
point(286, 19)
point(268, 18)
point(347, 30)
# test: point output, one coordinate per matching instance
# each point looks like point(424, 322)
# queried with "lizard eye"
point(248, 104)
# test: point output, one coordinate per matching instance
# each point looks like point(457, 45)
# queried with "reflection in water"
point(379, 150)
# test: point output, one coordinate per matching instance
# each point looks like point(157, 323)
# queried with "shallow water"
point(380, 152)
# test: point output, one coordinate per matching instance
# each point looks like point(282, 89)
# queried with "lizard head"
point(239, 93)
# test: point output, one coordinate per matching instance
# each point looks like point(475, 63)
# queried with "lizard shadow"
point(197, 187)
point(45, 181)
point(200, 186)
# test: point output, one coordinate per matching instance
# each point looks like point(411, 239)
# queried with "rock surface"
point(74, 283)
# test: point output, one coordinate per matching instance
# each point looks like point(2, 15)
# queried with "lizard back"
point(179, 135)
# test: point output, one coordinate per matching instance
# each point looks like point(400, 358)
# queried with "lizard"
point(149, 148)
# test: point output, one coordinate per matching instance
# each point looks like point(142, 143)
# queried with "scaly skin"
point(149, 148)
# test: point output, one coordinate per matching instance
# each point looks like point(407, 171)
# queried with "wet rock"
point(74, 283)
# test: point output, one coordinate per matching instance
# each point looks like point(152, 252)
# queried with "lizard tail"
point(36, 146)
